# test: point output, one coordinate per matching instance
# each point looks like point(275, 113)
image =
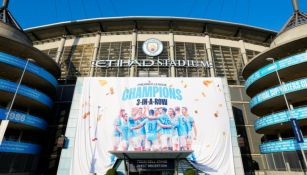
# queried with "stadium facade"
point(105, 47)
point(28, 82)
point(276, 82)
point(41, 112)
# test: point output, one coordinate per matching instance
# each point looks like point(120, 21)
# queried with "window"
point(51, 52)
point(76, 61)
point(113, 51)
point(228, 63)
point(251, 54)
point(191, 51)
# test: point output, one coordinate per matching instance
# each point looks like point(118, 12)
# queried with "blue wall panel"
point(25, 91)
point(19, 117)
point(20, 63)
point(19, 147)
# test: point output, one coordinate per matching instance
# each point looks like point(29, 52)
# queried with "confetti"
point(86, 114)
point(203, 94)
point(103, 82)
point(216, 114)
point(94, 139)
point(111, 91)
point(99, 118)
point(207, 82)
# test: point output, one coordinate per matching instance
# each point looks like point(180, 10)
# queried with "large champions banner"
point(152, 114)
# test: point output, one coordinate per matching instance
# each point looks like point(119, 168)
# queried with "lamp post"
point(4, 123)
point(295, 128)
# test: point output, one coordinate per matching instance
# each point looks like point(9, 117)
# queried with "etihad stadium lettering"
point(151, 63)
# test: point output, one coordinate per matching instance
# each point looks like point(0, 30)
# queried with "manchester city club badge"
point(152, 47)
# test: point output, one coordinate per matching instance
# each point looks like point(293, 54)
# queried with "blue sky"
point(269, 14)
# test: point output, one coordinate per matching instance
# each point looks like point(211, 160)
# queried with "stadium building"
point(112, 47)
point(276, 82)
point(28, 82)
point(227, 46)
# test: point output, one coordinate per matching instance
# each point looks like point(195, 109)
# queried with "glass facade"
point(57, 127)
point(228, 63)
point(191, 51)
point(12, 163)
point(251, 54)
point(113, 51)
point(76, 61)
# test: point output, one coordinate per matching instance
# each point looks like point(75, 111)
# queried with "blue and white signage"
point(19, 117)
point(282, 146)
point(19, 147)
point(152, 47)
point(25, 91)
point(296, 130)
point(281, 64)
point(281, 117)
point(279, 90)
point(20, 63)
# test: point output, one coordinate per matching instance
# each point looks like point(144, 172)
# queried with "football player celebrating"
point(117, 131)
point(190, 125)
point(174, 121)
point(166, 131)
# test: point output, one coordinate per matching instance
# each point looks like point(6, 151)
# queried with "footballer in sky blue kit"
point(155, 129)
point(174, 121)
point(190, 125)
point(166, 131)
point(124, 130)
point(141, 133)
point(132, 135)
point(117, 130)
point(151, 126)
point(182, 132)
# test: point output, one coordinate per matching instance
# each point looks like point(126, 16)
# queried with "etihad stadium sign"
point(151, 63)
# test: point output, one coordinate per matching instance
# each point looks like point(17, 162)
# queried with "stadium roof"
point(177, 24)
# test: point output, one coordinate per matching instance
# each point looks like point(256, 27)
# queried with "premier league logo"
point(152, 47)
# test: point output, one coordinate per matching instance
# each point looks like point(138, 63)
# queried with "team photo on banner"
point(152, 115)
